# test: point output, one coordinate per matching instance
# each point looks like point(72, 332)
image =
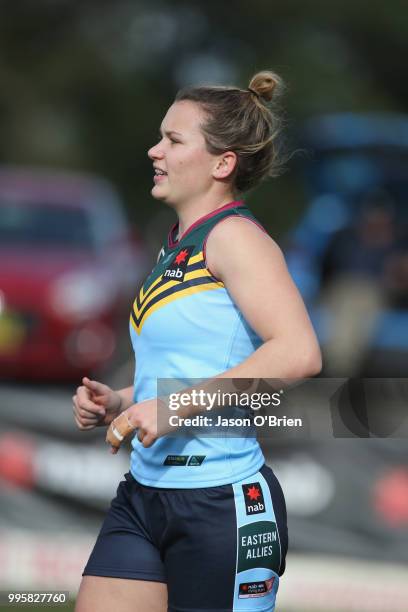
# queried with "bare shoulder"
point(235, 240)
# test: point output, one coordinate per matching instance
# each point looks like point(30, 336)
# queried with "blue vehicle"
point(350, 160)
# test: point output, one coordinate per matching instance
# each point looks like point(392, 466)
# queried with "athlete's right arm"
point(96, 404)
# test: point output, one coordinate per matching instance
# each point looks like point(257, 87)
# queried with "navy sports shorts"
point(218, 548)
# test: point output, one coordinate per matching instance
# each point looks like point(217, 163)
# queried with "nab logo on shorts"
point(178, 266)
point(254, 499)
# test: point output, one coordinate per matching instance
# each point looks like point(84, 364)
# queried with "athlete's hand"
point(95, 404)
point(144, 417)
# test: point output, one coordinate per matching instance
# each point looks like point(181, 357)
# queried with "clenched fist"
point(149, 417)
point(95, 404)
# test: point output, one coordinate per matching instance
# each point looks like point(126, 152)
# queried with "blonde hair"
point(245, 121)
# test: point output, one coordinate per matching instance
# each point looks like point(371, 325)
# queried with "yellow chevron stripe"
point(154, 283)
point(202, 273)
point(196, 258)
point(191, 261)
point(171, 298)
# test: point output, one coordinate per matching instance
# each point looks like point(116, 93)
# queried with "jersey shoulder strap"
point(176, 258)
point(198, 232)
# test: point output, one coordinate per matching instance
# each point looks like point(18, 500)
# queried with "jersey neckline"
point(173, 243)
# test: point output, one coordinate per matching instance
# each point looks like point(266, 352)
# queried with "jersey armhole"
point(209, 232)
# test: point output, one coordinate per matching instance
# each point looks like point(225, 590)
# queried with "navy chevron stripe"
point(185, 285)
point(132, 314)
point(196, 266)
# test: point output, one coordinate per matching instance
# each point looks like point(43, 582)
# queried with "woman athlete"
point(200, 522)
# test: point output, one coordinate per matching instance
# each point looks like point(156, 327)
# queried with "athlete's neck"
point(188, 215)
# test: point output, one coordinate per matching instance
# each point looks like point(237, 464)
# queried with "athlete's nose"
point(156, 152)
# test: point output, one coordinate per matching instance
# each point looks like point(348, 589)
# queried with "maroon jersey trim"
point(172, 243)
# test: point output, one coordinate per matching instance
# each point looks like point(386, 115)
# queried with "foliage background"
point(85, 85)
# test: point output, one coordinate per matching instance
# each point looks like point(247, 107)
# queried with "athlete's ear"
point(225, 165)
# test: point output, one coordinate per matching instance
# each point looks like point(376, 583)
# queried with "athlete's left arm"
point(252, 267)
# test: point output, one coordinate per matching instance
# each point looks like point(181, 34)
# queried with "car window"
point(44, 225)
point(109, 223)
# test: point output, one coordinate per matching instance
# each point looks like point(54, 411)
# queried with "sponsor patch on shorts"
point(258, 546)
point(254, 499)
point(255, 589)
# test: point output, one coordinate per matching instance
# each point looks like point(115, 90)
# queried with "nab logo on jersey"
point(254, 499)
point(177, 268)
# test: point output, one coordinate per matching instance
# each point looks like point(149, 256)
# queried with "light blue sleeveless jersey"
point(184, 325)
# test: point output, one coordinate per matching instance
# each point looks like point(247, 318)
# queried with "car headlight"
point(78, 296)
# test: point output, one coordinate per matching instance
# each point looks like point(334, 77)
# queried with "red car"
point(68, 269)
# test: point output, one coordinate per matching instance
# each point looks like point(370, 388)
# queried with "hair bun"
point(264, 84)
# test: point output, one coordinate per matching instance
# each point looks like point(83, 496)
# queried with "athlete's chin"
point(158, 194)
point(162, 196)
